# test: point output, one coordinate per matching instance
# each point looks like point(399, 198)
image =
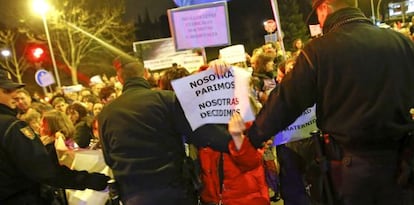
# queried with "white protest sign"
point(91, 161)
point(299, 129)
point(159, 54)
point(96, 79)
point(315, 30)
point(72, 88)
point(233, 54)
point(161, 63)
point(210, 98)
point(192, 63)
point(87, 197)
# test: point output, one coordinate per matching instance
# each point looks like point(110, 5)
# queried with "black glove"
point(96, 181)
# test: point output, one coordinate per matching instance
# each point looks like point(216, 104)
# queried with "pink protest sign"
point(204, 25)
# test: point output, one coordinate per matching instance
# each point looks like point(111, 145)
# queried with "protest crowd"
point(136, 124)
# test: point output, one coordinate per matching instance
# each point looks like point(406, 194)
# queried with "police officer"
point(361, 78)
point(24, 162)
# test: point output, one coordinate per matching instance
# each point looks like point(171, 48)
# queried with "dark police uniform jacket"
point(142, 137)
point(25, 163)
point(361, 78)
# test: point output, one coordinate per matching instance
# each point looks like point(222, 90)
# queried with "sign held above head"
point(200, 26)
point(193, 2)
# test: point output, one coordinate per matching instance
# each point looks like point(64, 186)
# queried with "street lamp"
point(6, 53)
point(41, 7)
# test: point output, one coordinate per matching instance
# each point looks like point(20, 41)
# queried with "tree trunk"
point(74, 75)
point(19, 78)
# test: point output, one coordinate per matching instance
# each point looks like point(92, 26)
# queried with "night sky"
point(9, 9)
point(155, 8)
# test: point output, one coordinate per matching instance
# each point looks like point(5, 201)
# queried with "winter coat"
point(244, 181)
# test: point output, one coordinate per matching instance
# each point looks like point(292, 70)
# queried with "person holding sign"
point(361, 78)
point(142, 140)
point(240, 170)
point(234, 178)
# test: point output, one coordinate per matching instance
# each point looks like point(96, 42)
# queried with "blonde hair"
point(58, 122)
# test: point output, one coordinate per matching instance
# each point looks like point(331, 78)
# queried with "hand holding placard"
point(208, 97)
point(236, 128)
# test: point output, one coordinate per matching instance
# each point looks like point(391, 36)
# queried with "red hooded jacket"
point(244, 180)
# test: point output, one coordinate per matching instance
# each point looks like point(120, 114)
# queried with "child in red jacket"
point(235, 178)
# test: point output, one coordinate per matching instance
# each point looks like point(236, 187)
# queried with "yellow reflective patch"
point(28, 132)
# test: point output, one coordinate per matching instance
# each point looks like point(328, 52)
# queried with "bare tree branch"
point(16, 63)
point(103, 21)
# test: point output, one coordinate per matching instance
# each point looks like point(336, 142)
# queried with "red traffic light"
point(38, 52)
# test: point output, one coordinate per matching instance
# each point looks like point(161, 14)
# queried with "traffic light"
point(36, 53)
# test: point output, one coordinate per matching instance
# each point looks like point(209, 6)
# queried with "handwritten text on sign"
point(210, 98)
point(200, 26)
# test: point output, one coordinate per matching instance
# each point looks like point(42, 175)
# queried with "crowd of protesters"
point(268, 63)
point(71, 118)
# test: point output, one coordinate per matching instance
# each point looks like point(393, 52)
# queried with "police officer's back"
point(142, 138)
point(361, 78)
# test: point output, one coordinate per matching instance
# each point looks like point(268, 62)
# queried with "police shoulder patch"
point(28, 132)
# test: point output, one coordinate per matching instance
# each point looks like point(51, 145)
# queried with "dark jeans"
point(367, 178)
point(166, 196)
point(292, 188)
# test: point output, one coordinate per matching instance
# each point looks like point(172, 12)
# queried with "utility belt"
point(335, 151)
point(402, 151)
point(331, 157)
